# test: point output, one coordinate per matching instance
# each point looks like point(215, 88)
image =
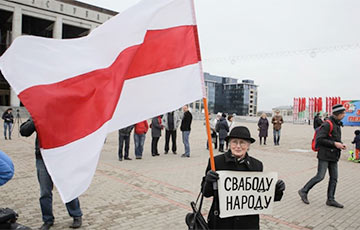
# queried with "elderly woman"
point(263, 125)
point(236, 159)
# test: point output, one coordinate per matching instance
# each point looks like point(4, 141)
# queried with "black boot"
point(303, 197)
point(77, 222)
point(221, 148)
point(334, 204)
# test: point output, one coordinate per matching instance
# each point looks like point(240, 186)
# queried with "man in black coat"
point(236, 159)
point(317, 121)
point(46, 186)
point(330, 147)
point(185, 129)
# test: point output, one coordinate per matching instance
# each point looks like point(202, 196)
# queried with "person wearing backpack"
point(330, 146)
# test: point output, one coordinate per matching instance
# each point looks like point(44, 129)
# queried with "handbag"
point(195, 220)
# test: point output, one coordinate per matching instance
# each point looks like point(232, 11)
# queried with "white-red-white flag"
point(139, 64)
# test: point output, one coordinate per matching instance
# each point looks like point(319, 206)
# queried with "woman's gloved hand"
point(279, 190)
point(211, 176)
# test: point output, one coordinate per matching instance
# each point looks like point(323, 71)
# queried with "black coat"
point(186, 122)
point(263, 125)
point(317, 122)
point(26, 130)
point(356, 141)
point(8, 117)
point(327, 150)
point(227, 162)
point(223, 128)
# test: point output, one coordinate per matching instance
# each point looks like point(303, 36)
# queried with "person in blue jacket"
point(6, 168)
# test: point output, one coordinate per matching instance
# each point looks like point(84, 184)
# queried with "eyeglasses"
point(239, 142)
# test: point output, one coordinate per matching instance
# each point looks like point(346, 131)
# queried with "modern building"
point(60, 19)
point(226, 94)
point(285, 111)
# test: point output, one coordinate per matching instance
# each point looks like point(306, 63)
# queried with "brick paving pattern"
point(155, 192)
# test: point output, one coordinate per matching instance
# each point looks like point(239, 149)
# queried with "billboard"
point(352, 117)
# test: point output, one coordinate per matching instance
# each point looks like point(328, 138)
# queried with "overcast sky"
point(298, 48)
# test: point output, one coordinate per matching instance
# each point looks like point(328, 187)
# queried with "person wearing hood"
point(235, 159)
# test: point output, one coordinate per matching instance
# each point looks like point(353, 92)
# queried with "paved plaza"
point(155, 192)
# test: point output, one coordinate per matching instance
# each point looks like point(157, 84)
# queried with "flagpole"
point(206, 110)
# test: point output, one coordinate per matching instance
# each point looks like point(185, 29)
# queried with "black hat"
point(240, 132)
point(337, 109)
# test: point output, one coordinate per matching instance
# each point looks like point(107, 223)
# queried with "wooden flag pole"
point(212, 162)
point(206, 110)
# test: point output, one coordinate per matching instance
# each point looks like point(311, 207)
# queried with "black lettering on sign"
point(61, 7)
point(234, 184)
point(261, 187)
point(229, 202)
point(248, 183)
point(241, 184)
point(225, 183)
point(268, 183)
point(251, 201)
point(236, 203)
point(47, 4)
point(74, 10)
point(258, 204)
point(244, 200)
point(267, 202)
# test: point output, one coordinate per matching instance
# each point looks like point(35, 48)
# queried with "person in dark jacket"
point(317, 121)
point(124, 137)
point(223, 128)
point(46, 185)
point(236, 159)
point(185, 129)
point(356, 141)
point(156, 128)
point(330, 147)
point(8, 122)
point(263, 125)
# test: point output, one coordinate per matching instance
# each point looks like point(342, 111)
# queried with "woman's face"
point(239, 147)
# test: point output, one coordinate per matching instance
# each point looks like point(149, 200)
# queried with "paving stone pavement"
point(155, 192)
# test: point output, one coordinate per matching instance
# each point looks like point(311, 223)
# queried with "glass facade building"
point(227, 95)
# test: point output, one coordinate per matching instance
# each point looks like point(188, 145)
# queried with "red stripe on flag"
point(74, 108)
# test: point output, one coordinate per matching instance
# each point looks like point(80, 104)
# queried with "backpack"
point(314, 146)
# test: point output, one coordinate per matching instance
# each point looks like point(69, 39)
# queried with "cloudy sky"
point(299, 48)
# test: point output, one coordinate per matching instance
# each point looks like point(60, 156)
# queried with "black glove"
point(280, 186)
point(279, 190)
point(211, 176)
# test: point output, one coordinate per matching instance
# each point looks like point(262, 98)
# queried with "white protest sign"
point(246, 193)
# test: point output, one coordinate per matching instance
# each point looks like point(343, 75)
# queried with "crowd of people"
point(234, 157)
point(170, 121)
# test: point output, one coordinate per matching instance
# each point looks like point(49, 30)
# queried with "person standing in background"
point(263, 125)
point(141, 129)
point(171, 122)
point(185, 129)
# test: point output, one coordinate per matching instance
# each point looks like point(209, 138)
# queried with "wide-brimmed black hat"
point(240, 132)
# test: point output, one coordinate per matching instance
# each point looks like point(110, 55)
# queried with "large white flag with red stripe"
point(139, 64)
